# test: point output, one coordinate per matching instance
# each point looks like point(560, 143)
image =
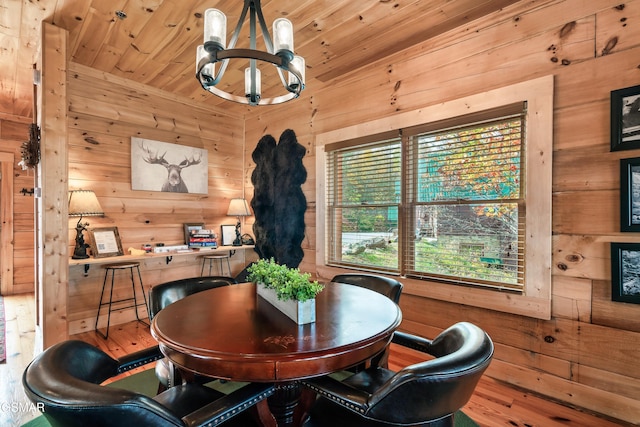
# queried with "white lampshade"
point(247, 82)
point(209, 69)
point(215, 27)
point(84, 203)
point(238, 207)
point(299, 65)
point(282, 35)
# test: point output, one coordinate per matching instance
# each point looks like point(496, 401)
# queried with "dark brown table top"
point(230, 332)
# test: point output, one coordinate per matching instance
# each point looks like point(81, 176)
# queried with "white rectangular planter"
point(300, 312)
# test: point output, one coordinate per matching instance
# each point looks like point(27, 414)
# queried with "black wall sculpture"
point(278, 201)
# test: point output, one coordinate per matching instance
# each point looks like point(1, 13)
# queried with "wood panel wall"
point(17, 249)
point(104, 113)
point(586, 355)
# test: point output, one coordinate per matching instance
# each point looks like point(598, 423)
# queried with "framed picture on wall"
point(625, 118)
point(625, 272)
point(172, 168)
point(105, 242)
point(228, 234)
point(630, 194)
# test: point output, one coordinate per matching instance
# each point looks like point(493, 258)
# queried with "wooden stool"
point(216, 257)
point(112, 268)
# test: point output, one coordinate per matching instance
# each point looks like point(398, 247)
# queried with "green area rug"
point(146, 383)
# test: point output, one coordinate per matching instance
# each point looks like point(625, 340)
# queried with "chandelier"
point(214, 54)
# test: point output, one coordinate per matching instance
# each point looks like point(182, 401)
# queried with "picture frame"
point(191, 226)
point(625, 118)
point(228, 234)
point(630, 194)
point(625, 272)
point(105, 242)
point(166, 167)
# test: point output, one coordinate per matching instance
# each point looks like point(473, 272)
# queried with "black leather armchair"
point(383, 285)
point(391, 288)
point(424, 394)
point(65, 381)
point(167, 293)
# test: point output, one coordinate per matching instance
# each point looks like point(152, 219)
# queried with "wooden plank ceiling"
point(155, 43)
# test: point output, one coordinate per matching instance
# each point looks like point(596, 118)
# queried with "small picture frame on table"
point(630, 194)
point(228, 234)
point(625, 272)
point(625, 118)
point(105, 242)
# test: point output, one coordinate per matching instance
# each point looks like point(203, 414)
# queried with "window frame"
point(535, 300)
point(507, 113)
point(388, 145)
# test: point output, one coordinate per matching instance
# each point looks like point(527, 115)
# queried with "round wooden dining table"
point(231, 333)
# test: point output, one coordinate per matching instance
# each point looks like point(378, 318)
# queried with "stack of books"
point(203, 239)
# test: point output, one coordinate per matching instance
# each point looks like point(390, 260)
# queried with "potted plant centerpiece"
point(289, 290)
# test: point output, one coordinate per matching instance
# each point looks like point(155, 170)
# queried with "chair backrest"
point(64, 382)
point(439, 387)
point(242, 276)
point(383, 285)
point(167, 293)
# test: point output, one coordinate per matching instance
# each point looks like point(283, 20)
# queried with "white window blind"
point(363, 198)
point(467, 204)
point(445, 204)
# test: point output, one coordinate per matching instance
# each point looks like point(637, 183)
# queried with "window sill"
point(490, 299)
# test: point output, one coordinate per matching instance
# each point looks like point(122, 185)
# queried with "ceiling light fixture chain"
point(279, 53)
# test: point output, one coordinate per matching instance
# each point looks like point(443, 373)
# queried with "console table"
point(168, 255)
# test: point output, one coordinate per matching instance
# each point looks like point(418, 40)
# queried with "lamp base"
point(80, 251)
point(238, 239)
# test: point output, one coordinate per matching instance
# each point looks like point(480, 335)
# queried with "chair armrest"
point(340, 393)
point(412, 341)
point(229, 406)
point(139, 358)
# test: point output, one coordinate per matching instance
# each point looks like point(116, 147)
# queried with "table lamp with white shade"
point(238, 208)
point(83, 203)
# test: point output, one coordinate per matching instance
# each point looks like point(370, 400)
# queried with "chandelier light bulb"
point(215, 28)
point(298, 64)
point(249, 93)
point(282, 35)
point(209, 69)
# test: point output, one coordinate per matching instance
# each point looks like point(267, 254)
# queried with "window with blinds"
point(444, 204)
point(363, 199)
point(467, 204)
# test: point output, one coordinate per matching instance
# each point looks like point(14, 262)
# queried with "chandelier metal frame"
point(281, 59)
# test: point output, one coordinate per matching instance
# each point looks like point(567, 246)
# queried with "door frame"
point(6, 221)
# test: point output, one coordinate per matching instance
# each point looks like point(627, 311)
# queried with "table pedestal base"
point(283, 403)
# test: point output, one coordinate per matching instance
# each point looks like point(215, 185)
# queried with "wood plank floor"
point(20, 338)
point(493, 404)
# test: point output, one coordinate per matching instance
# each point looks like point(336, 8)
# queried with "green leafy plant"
point(289, 283)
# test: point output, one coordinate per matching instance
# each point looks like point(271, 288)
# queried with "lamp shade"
point(238, 207)
point(282, 35)
point(84, 203)
point(249, 82)
point(215, 28)
point(298, 63)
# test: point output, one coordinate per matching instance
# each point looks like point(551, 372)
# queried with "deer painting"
point(174, 182)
